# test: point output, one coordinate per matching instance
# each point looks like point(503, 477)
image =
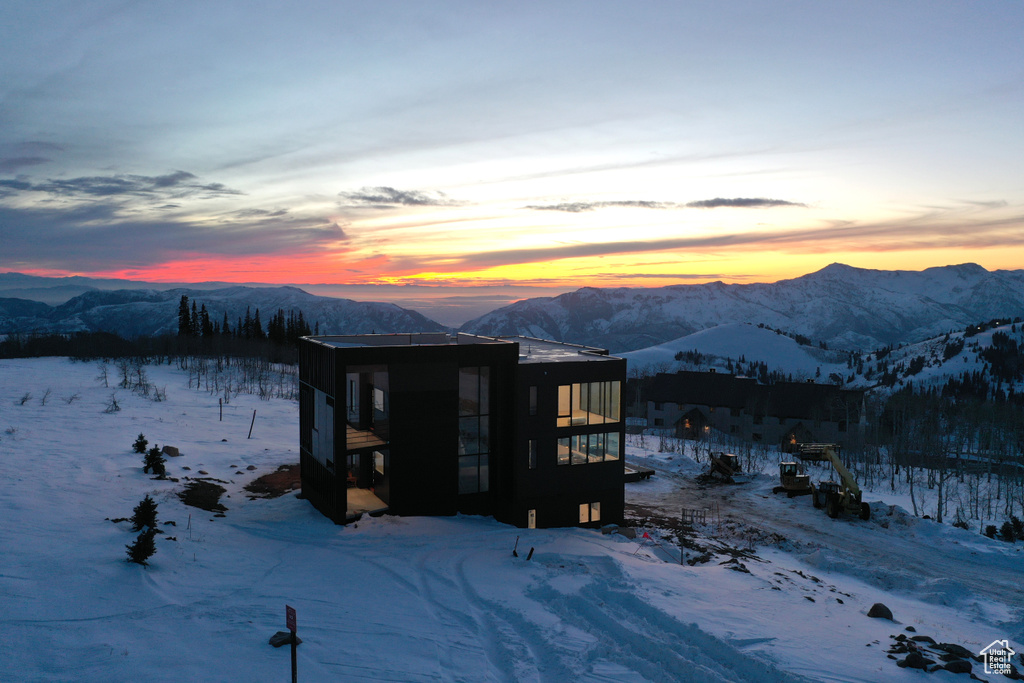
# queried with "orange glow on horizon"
point(627, 270)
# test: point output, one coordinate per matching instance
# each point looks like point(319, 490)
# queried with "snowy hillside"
point(134, 313)
point(848, 308)
point(929, 363)
point(771, 589)
point(733, 343)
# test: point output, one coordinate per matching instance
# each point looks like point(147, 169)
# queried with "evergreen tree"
point(205, 326)
point(184, 318)
point(140, 444)
point(257, 327)
point(155, 461)
point(143, 548)
point(144, 514)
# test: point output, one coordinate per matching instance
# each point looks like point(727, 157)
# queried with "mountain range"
point(134, 313)
point(845, 307)
point(842, 306)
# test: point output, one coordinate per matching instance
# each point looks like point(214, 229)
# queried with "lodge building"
point(784, 414)
point(529, 431)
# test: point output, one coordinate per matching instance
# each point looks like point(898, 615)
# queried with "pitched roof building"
point(785, 413)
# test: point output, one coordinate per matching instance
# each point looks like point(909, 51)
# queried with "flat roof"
point(531, 350)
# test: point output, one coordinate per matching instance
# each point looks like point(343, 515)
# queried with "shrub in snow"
point(1018, 527)
point(1006, 533)
point(990, 530)
point(144, 514)
point(154, 460)
point(140, 444)
point(143, 547)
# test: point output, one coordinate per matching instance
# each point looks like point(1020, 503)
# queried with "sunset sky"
point(555, 144)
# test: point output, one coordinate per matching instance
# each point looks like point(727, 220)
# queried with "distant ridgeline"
point(197, 334)
point(281, 329)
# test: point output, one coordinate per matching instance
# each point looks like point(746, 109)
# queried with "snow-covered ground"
point(739, 340)
point(778, 591)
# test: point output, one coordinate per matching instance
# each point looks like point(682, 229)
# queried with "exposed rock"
point(915, 660)
point(954, 649)
point(910, 629)
point(251, 467)
point(958, 666)
point(880, 611)
point(924, 639)
point(171, 451)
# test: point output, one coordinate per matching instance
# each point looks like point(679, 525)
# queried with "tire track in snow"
point(630, 632)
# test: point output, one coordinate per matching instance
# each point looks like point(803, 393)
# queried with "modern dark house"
point(783, 414)
point(527, 430)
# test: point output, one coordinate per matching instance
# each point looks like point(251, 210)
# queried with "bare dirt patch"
point(287, 478)
point(204, 495)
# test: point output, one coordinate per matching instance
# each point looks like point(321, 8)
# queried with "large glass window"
point(532, 456)
point(580, 449)
point(474, 429)
point(588, 403)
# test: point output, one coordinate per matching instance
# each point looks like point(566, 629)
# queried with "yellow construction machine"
point(725, 465)
point(835, 496)
point(792, 481)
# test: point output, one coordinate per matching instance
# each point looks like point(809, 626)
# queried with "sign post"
point(289, 620)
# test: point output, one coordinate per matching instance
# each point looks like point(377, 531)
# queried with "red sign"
point(289, 618)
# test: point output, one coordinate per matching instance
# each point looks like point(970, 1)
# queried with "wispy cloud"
point(98, 236)
point(579, 207)
point(718, 202)
point(933, 230)
point(388, 197)
point(12, 164)
point(740, 203)
point(172, 185)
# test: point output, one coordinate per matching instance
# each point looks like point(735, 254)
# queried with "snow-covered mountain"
point(846, 307)
point(735, 344)
point(992, 353)
point(134, 313)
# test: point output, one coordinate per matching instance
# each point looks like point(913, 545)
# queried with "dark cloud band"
point(716, 203)
point(388, 197)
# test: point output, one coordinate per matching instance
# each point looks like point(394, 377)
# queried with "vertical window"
point(474, 429)
point(533, 400)
point(611, 446)
point(531, 519)
point(597, 408)
point(564, 405)
point(579, 449)
point(595, 451)
point(563, 451)
point(580, 401)
point(532, 455)
point(584, 513)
